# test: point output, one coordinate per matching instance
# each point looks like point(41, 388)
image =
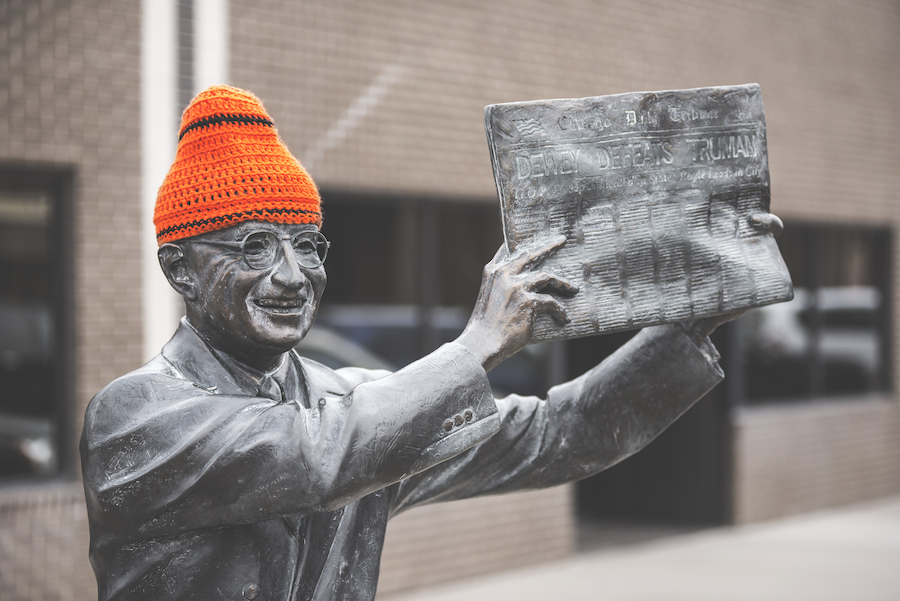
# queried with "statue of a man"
point(229, 467)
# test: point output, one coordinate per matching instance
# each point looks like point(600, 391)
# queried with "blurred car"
point(836, 329)
point(26, 445)
point(397, 334)
point(335, 351)
point(27, 416)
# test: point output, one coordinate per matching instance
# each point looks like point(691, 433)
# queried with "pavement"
point(849, 554)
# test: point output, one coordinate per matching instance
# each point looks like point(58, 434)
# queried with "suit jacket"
point(205, 480)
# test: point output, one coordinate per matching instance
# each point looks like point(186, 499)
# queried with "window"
point(833, 338)
point(395, 251)
point(403, 276)
point(33, 294)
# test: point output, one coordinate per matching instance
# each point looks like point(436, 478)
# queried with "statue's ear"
point(177, 270)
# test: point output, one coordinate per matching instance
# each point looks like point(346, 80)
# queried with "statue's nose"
point(288, 273)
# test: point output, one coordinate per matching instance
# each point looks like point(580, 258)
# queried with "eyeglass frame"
point(241, 246)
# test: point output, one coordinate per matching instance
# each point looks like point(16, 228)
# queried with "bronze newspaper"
point(654, 192)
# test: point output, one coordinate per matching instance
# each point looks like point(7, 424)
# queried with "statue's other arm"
point(584, 425)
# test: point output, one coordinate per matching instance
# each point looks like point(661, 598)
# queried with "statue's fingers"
point(534, 254)
point(547, 305)
point(543, 281)
point(767, 221)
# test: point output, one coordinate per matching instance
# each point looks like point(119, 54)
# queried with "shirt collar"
point(220, 373)
point(250, 378)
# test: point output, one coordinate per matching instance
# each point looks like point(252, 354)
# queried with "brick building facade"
point(384, 101)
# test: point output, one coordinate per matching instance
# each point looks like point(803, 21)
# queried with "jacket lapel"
point(198, 364)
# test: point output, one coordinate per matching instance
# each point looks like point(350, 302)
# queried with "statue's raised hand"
point(513, 291)
point(701, 328)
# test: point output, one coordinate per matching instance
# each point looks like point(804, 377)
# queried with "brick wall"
point(477, 536)
point(69, 95)
point(43, 546)
point(389, 95)
point(793, 459)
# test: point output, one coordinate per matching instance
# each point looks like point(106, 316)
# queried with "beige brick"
point(466, 538)
point(792, 459)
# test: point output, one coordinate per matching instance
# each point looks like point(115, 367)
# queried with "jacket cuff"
point(701, 342)
point(695, 344)
point(473, 424)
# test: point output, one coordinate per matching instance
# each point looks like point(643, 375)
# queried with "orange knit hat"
point(231, 167)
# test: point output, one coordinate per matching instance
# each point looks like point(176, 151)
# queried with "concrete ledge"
point(850, 553)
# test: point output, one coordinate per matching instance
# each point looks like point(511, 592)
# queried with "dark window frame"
point(59, 180)
point(444, 273)
point(423, 212)
point(812, 278)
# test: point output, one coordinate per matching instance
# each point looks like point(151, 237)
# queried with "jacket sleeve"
point(584, 426)
point(161, 455)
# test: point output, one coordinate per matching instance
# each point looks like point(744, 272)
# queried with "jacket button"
point(448, 425)
point(458, 420)
point(469, 415)
point(251, 591)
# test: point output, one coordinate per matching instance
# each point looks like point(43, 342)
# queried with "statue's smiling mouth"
point(280, 305)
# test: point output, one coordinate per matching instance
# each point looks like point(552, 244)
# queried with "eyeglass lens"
point(261, 249)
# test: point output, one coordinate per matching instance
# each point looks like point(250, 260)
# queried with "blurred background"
point(382, 102)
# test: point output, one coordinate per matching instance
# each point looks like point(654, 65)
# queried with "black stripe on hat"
point(214, 119)
point(218, 219)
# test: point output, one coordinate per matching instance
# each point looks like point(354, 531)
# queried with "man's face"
point(252, 314)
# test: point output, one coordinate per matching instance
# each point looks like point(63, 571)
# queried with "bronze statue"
point(230, 467)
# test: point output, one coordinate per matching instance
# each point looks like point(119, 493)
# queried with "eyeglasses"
point(260, 248)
